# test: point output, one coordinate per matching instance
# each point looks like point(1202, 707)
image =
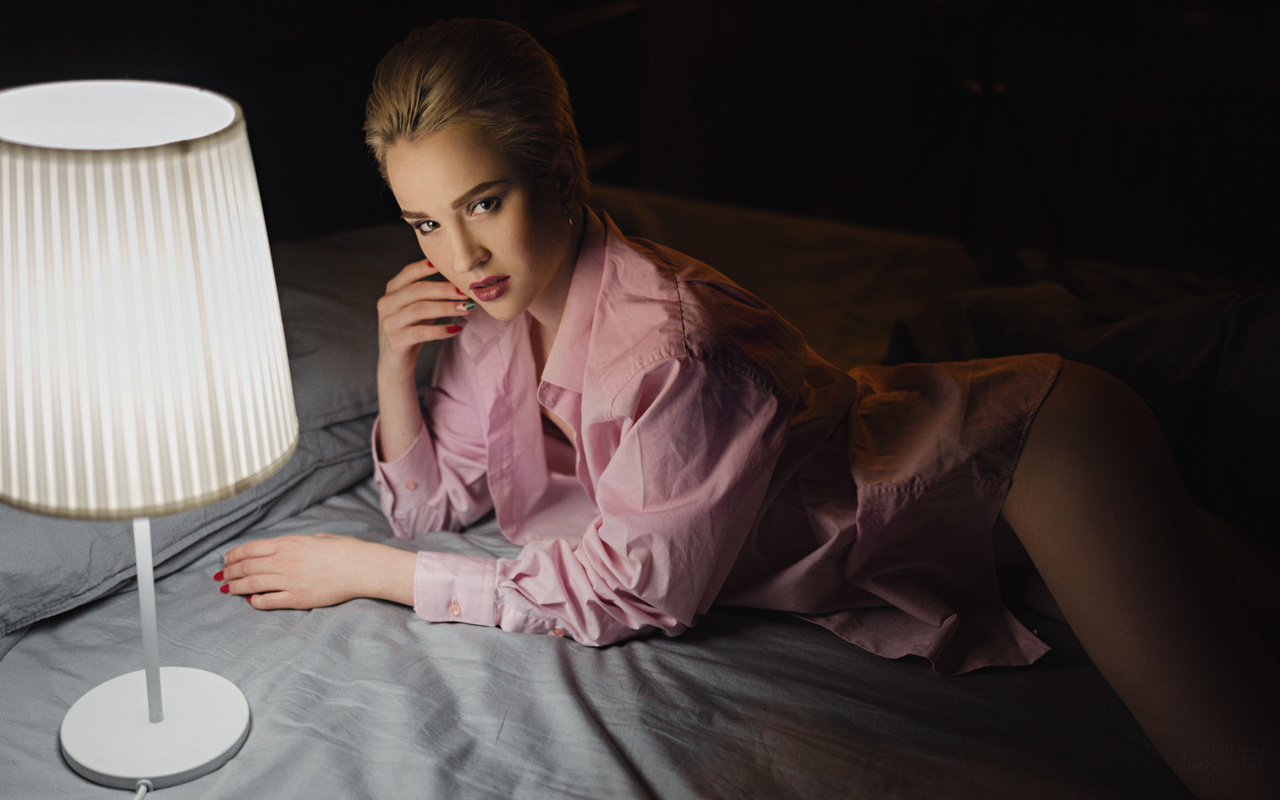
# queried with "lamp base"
point(108, 738)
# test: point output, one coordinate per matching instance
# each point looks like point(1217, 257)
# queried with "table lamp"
point(143, 369)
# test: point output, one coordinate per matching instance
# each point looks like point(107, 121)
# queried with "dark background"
point(1127, 131)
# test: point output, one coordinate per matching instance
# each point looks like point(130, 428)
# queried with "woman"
point(658, 440)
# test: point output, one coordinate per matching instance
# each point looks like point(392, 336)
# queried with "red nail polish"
point(453, 329)
point(225, 589)
point(217, 576)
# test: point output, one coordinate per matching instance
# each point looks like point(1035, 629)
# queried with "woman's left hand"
point(317, 570)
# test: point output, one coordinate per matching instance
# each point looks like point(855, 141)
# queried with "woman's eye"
point(486, 205)
point(425, 226)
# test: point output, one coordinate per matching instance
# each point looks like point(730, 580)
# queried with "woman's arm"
point(430, 476)
point(441, 482)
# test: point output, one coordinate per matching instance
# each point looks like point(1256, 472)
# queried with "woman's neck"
point(549, 309)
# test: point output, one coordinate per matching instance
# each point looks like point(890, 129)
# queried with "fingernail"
point(467, 306)
point(225, 588)
point(460, 292)
point(217, 576)
point(453, 329)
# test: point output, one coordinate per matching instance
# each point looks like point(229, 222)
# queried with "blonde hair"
point(486, 73)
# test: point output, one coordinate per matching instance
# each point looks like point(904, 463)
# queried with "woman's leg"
point(1101, 511)
point(1256, 574)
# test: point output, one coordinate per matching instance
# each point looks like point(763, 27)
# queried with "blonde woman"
point(658, 440)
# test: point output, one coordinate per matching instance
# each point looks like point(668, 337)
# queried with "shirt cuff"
point(454, 588)
point(402, 482)
point(414, 459)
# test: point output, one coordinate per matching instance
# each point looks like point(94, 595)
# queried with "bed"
point(366, 700)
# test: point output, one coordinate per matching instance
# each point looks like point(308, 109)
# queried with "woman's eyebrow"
point(475, 190)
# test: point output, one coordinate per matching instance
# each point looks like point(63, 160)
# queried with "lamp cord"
point(143, 787)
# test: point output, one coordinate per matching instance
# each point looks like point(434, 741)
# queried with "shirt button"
point(557, 631)
point(455, 609)
point(411, 485)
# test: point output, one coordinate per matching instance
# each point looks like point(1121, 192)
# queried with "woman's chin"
point(502, 312)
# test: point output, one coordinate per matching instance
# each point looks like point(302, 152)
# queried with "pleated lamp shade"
point(142, 357)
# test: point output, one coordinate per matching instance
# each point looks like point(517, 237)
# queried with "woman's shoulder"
point(656, 303)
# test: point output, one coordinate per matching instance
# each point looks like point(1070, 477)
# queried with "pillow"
point(328, 294)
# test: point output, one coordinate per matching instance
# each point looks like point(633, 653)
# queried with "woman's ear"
point(564, 174)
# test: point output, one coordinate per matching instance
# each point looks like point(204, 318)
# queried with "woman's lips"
point(490, 289)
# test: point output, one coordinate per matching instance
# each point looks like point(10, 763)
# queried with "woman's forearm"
point(400, 415)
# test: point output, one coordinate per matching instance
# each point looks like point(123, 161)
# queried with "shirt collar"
point(567, 362)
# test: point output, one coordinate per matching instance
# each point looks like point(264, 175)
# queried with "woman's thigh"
point(1098, 506)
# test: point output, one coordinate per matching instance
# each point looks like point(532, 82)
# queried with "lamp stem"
point(147, 607)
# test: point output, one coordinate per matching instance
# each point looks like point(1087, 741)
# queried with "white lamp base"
point(108, 737)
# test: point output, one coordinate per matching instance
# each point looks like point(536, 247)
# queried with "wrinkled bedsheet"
point(366, 700)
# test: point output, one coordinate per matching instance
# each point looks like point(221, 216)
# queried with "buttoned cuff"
point(401, 482)
point(416, 461)
point(454, 588)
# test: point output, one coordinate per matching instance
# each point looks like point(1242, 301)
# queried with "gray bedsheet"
point(366, 700)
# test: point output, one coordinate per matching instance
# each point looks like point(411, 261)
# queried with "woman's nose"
point(469, 253)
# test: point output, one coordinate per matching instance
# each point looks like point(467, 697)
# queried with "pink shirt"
point(706, 469)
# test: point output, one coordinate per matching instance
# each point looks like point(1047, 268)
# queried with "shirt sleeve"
point(685, 462)
point(440, 483)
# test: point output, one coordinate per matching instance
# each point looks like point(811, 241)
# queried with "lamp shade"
point(143, 368)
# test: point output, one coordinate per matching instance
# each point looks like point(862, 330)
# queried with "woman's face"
point(501, 238)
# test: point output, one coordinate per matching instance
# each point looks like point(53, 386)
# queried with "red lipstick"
point(490, 289)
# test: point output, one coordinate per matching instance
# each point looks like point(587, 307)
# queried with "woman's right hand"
point(415, 311)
